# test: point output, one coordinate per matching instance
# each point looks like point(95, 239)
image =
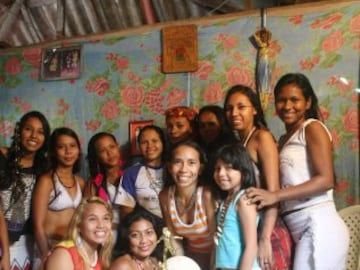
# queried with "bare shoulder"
point(45, 180)
point(60, 258)
point(264, 136)
point(243, 204)
point(207, 194)
point(163, 195)
point(122, 263)
point(81, 181)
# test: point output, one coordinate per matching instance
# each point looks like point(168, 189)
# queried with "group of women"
point(218, 179)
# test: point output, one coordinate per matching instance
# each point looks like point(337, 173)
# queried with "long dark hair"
point(54, 163)
point(259, 119)
point(11, 174)
point(237, 156)
point(95, 166)
point(303, 83)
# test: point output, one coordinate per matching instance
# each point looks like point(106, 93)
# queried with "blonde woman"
point(89, 240)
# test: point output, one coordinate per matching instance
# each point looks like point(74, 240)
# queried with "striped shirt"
point(197, 233)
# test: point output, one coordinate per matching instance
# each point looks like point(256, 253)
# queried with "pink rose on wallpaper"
point(213, 93)
point(110, 109)
point(64, 107)
point(350, 200)
point(274, 49)
point(13, 66)
point(236, 75)
point(154, 101)
point(132, 96)
point(355, 25)
point(296, 20)
point(166, 84)
point(205, 68)
point(175, 97)
point(342, 185)
point(351, 122)
point(336, 141)
point(92, 125)
point(333, 42)
point(6, 129)
point(33, 56)
point(327, 22)
point(99, 86)
point(2, 79)
point(122, 63)
point(324, 113)
point(230, 42)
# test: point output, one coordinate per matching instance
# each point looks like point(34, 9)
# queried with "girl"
point(141, 183)
point(236, 234)
point(58, 192)
point(105, 167)
point(138, 243)
point(188, 209)
point(245, 116)
point(180, 124)
point(307, 189)
point(89, 239)
point(21, 164)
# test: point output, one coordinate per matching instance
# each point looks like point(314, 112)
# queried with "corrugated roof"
point(27, 22)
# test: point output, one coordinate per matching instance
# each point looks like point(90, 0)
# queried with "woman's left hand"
point(265, 255)
point(261, 197)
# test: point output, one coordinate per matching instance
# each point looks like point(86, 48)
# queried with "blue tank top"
point(231, 243)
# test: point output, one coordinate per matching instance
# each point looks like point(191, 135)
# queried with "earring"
point(78, 241)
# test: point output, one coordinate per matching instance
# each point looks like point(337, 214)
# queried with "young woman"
point(188, 209)
point(307, 179)
point(213, 133)
point(89, 239)
point(58, 192)
point(141, 183)
point(105, 165)
point(244, 115)
point(237, 221)
point(180, 124)
point(21, 164)
point(137, 243)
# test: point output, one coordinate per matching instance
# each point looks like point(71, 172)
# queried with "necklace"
point(249, 136)
point(141, 264)
point(182, 209)
point(71, 186)
point(156, 184)
point(92, 263)
point(219, 228)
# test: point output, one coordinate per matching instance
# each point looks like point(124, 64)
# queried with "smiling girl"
point(58, 192)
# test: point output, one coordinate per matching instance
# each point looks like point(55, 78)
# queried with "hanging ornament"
point(263, 72)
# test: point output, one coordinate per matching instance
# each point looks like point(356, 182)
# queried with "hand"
point(261, 197)
point(265, 256)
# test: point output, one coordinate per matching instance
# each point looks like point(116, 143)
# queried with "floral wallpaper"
point(122, 81)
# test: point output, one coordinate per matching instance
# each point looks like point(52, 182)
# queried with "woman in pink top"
point(188, 209)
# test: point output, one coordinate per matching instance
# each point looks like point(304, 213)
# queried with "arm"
point(248, 215)
point(59, 259)
point(41, 196)
point(164, 201)
point(268, 158)
point(320, 155)
point(89, 189)
point(209, 205)
point(4, 243)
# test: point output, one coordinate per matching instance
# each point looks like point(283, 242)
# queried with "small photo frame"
point(61, 63)
point(179, 48)
point(134, 130)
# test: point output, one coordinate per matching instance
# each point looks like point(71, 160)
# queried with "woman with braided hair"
point(20, 165)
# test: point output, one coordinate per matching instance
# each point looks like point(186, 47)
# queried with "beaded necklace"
point(141, 264)
point(223, 210)
point(182, 209)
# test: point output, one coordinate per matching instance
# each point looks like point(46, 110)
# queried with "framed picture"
point(134, 130)
point(179, 48)
point(61, 63)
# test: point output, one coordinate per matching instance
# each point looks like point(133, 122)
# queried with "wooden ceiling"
point(29, 22)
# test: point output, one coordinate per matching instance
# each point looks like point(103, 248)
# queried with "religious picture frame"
point(179, 48)
point(134, 130)
point(61, 63)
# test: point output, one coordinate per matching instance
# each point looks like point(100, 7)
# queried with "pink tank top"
point(197, 234)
